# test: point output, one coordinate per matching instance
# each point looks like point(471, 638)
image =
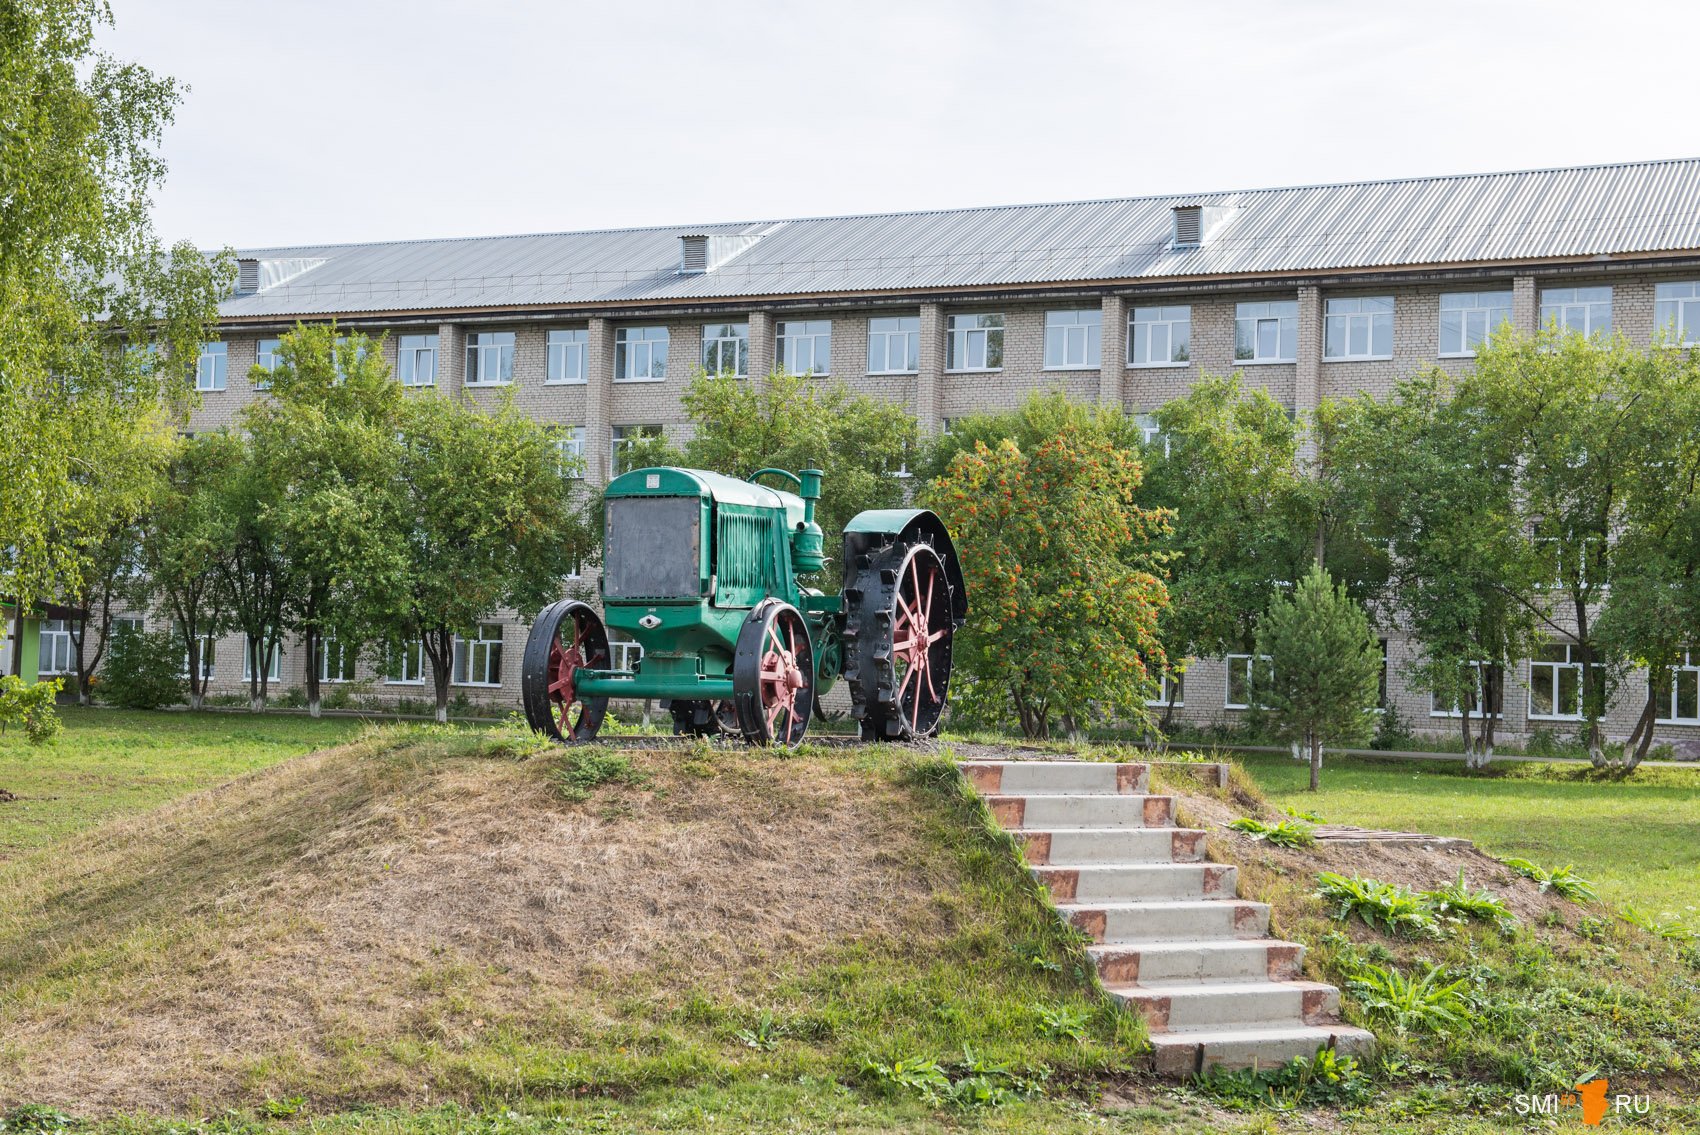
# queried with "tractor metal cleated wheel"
point(773, 675)
point(566, 638)
point(898, 630)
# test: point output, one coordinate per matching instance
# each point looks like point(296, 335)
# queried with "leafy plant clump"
point(764, 1035)
point(1387, 907)
point(30, 704)
point(1407, 1004)
point(1457, 900)
point(972, 1083)
point(143, 671)
point(1326, 1078)
point(1282, 833)
point(1674, 930)
point(1563, 881)
point(583, 772)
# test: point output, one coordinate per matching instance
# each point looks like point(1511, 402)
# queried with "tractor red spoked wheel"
point(566, 638)
point(773, 675)
point(901, 642)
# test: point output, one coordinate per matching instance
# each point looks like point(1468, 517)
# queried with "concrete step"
point(1189, 1052)
point(1016, 778)
point(1082, 810)
point(1168, 920)
point(1104, 846)
point(1216, 959)
point(1109, 882)
point(1176, 1005)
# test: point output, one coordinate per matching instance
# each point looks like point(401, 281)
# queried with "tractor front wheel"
point(773, 675)
point(566, 638)
point(897, 639)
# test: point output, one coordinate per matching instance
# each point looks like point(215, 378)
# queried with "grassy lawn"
point(1637, 838)
point(110, 763)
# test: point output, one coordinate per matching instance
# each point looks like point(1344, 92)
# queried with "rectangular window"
point(1266, 332)
point(625, 437)
point(569, 441)
point(266, 358)
point(1160, 336)
point(1150, 432)
point(207, 651)
point(1358, 327)
point(1487, 688)
point(640, 354)
point(1555, 684)
point(478, 660)
point(211, 367)
point(57, 656)
point(1469, 319)
point(1167, 684)
point(894, 344)
point(625, 654)
point(726, 349)
point(406, 665)
point(336, 660)
point(1676, 312)
point(975, 343)
point(1679, 703)
point(1586, 311)
point(805, 346)
point(1240, 671)
point(274, 664)
point(1071, 339)
point(489, 358)
point(567, 350)
point(416, 360)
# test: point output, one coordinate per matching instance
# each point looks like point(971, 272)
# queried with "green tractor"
point(706, 573)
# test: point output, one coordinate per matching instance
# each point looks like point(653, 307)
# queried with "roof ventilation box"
point(1193, 223)
point(247, 276)
point(693, 254)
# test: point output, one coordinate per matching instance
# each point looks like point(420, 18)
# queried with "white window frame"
point(621, 438)
point(1150, 431)
point(489, 358)
point(415, 354)
point(1593, 304)
point(1247, 662)
point(636, 357)
point(970, 332)
point(1553, 668)
point(1143, 324)
point(346, 655)
point(1676, 309)
point(1479, 697)
point(569, 442)
point(480, 656)
point(56, 640)
point(274, 664)
point(1075, 336)
point(894, 330)
point(720, 339)
point(1685, 674)
point(212, 366)
point(624, 654)
point(413, 653)
point(1164, 681)
point(568, 350)
point(266, 358)
point(1479, 314)
point(1350, 316)
point(1282, 316)
point(803, 346)
point(209, 651)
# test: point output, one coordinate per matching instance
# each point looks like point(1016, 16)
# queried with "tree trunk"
point(1635, 749)
point(315, 644)
point(1315, 762)
point(1464, 725)
point(439, 648)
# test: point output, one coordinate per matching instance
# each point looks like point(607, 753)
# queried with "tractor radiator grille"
point(751, 559)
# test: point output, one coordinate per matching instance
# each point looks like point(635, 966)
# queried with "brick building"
point(1309, 292)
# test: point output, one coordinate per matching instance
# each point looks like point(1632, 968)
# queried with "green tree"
point(1065, 579)
point(185, 544)
point(1321, 667)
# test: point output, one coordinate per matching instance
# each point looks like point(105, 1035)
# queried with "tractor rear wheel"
point(897, 639)
point(566, 638)
point(773, 675)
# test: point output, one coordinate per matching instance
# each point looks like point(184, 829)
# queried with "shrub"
point(1387, 907)
point(1420, 1005)
point(30, 704)
point(144, 670)
point(1560, 880)
point(1282, 833)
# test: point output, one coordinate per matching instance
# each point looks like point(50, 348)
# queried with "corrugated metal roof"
point(1640, 207)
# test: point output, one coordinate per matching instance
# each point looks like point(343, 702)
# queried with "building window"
point(1676, 311)
point(975, 342)
point(624, 654)
point(1071, 339)
point(1358, 327)
point(1240, 670)
point(726, 349)
point(1555, 683)
point(1150, 432)
point(208, 643)
point(1169, 684)
point(336, 660)
point(1487, 688)
point(57, 656)
point(489, 358)
point(1469, 319)
point(567, 349)
point(640, 354)
point(211, 367)
point(406, 665)
point(266, 358)
point(805, 346)
point(894, 344)
point(625, 437)
point(1266, 332)
point(478, 660)
point(1160, 336)
point(1586, 311)
point(1679, 702)
point(416, 360)
point(569, 443)
point(274, 664)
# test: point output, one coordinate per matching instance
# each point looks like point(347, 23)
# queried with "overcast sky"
point(316, 121)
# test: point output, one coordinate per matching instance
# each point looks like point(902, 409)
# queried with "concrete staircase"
point(1170, 934)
